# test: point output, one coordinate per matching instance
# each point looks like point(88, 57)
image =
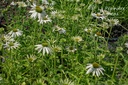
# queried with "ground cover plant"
point(63, 42)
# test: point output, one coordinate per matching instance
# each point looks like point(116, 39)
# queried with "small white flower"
point(126, 45)
point(44, 48)
point(52, 41)
point(113, 22)
point(15, 33)
point(62, 31)
point(59, 29)
point(98, 15)
point(45, 2)
point(21, 4)
point(58, 14)
point(57, 49)
point(95, 69)
point(105, 12)
point(71, 49)
point(104, 25)
point(98, 34)
point(88, 30)
point(7, 38)
point(44, 19)
point(29, 2)
point(11, 45)
point(66, 82)
point(75, 16)
point(97, 1)
point(13, 3)
point(53, 13)
point(31, 58)
point(77, 38)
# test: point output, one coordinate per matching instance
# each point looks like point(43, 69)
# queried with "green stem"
point(11, 54)
point(113, 74)
point(95, 80)
point(125, 67)
point(54, 63)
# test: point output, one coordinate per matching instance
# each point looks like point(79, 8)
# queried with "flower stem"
point(115, 66)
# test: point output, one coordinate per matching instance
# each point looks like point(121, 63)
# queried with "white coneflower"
point(29, 2)
point(105, 12)
point(60, 16)
point(21, 4)
point(98, 34)
point(54, 13)
point(66, 82)
point(31, 58)
point(104, 25)
point(75, 16)
point(98, 15)
point(95, 69)
point(126, 45)
point(44, 48)
point(13, 3)
point(88, 30)
point(39, 82)
point(7, 38)
point(52, 41)
point(57, 49)
point(62, 31)
point(15, 33)
point(97, 1)
point(77, 39)
point(71, 49)
point(59, 29)
point(37, 12)
point(113, 22)
point(11, 45)
point(45, 2)
point(44, 19)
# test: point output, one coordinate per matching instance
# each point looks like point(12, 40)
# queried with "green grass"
point(25, 66)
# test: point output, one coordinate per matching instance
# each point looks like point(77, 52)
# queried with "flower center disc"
point(98, 15)
point(45, 44)
point(96, 65)
point(11, 44)
point(39, 9)
point(71, 48)
point(15, 30)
